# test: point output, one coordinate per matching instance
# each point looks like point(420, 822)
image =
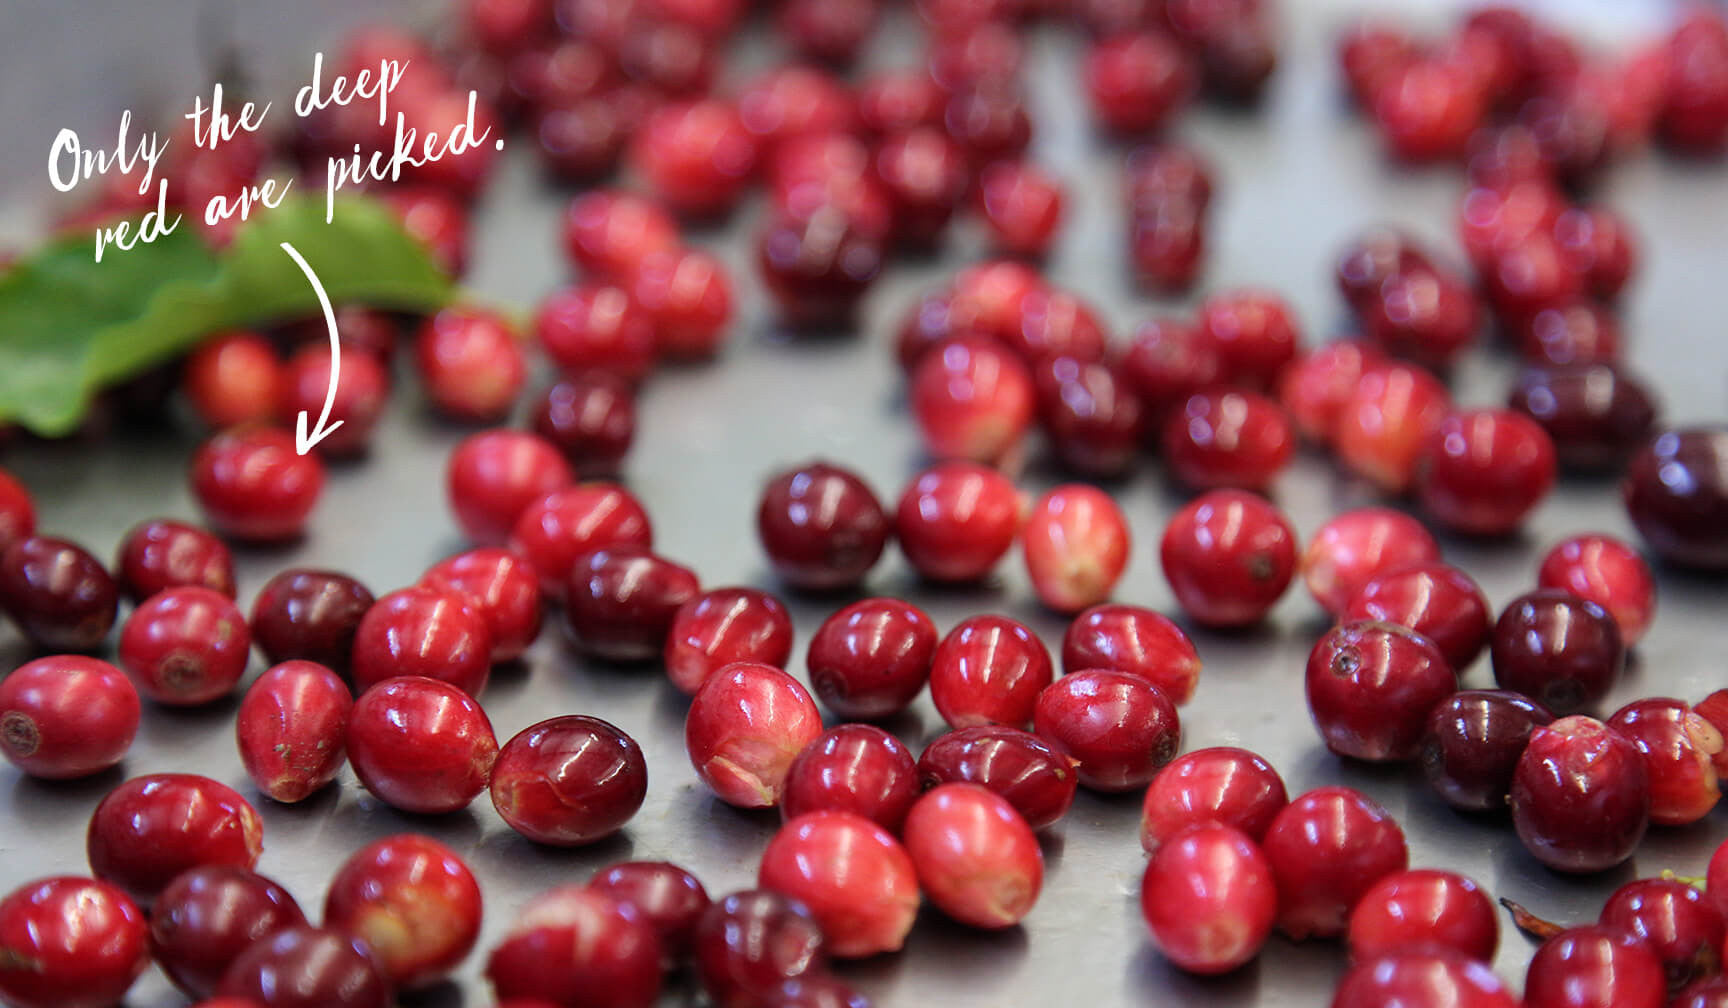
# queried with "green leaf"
point(70, 326)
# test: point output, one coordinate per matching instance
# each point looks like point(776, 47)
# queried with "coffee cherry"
point(67, 716)
point(69, 941)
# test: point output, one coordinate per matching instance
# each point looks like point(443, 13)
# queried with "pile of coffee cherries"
point(391, 685)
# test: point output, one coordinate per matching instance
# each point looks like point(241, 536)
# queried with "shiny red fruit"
point(233, 378)
point(611, 232)
point(292, 729)
point(208, 916)
point(1676, 493)
point(1608, 572)
point(976, 856)
point(1023, 207)
point(1357, 546)
point(1594, 967)
point(504, 587)
point(311, 615)
point(70, 942)
point(421, 745)
point(1027, 771)
point(1680, 749)
point(1210, 898)
point(853, 768)
point(1230, 786)
point(362, 391)
point(696, 157)
point(750, 942)
point(1138, 81)
point(67, 716)
point(988, 670)
point(577, 946)
point(471, 364)
point(1228, 556)
point(186, 646)
point(852, 874)
point(569, 780)
point(17, 511)
point(1557, 649)
point(301, 966)
point(1119, 728)
point(60, 597)
point(745, 726)
point(151, 828)
point(595, 326)
point(413, 902)
point(621, 601)
point(1328, 847)
point(1436, 600)
point(1386, 422)
point(1316, 385)
point(687, 294)
point(1137, 641)
point(1580, 796)
point(495, 475)
point(555, 530)
point(252, 485)
point(722, 626)
point(1075, 542)
point(956, 520)
point(432, 632)
point(1220, 438)
point(1370, 687)
point(1423, 979)
point(1485, 470)
point(669, 898)
point(1408, 910)
point(591, 419)
point(1472, 745)
point(1675, 920)
point(872, 658)
point(973, 400)
point(821, 526)
point(163, 553)
point(1254, 333)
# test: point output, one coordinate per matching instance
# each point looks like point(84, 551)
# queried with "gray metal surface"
point(1297, 180)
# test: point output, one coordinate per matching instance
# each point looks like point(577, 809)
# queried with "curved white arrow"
point(303, 442)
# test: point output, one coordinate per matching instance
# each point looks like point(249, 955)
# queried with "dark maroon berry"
point(1035, 777)
point(569, 780)
point(821, 526)
point(750, 942)
point(1676, 493)
point(591, 418)
point(1472, 745)
point(1558, 649)
point(311, 615)
point(621, 601)
point(208, 916)
point(61, 597)
point(669, 898)
point(301, 966)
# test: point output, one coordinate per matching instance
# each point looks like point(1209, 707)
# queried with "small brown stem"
point(1529, 923)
